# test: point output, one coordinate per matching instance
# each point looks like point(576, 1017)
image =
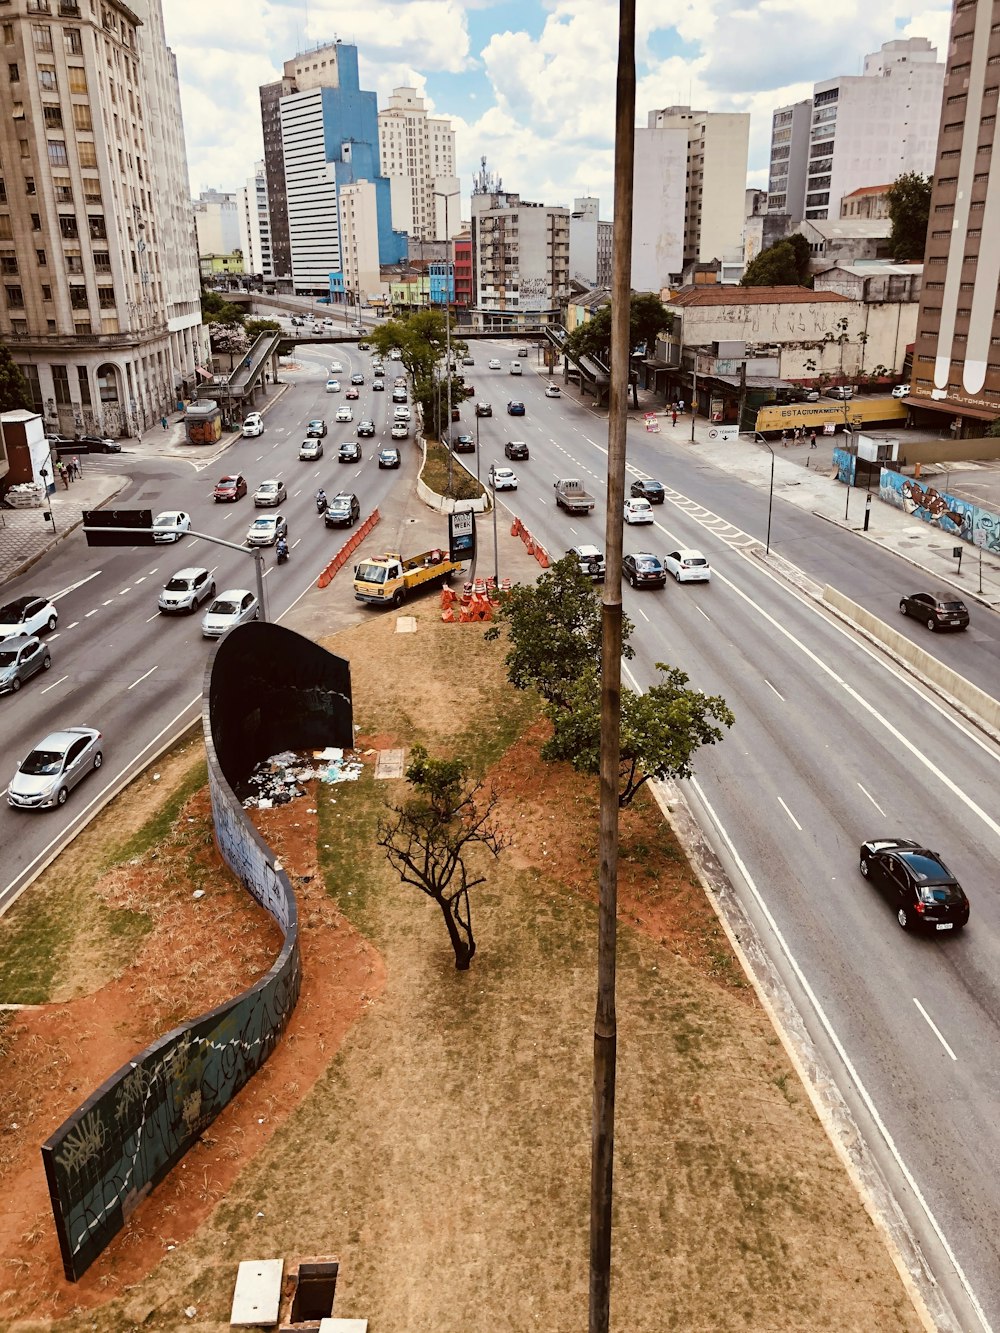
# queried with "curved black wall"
point(266, 689)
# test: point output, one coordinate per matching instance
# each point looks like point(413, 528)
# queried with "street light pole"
point(770, 494)
point(440, 194)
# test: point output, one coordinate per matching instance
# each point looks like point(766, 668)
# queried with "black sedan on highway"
point(366, 428)
point(349, 452)
point(648, 489)
point(464, 444)
point(644, 570)
point(920, 888)
point(936, 612)
point(516, 449)
point(389, 458)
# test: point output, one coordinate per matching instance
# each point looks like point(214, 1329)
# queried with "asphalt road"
point(831, 745)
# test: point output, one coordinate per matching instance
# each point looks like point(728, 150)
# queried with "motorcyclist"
point(321, 498)
point(282, 549)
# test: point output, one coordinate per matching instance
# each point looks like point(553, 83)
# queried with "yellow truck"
point(388, 579)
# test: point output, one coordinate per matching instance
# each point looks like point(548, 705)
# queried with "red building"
point(463, 270)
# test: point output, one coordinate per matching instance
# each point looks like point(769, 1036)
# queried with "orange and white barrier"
point(348, 549)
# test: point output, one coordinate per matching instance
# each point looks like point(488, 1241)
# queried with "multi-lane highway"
point(832, 744)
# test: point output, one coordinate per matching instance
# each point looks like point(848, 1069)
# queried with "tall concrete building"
point(321, 133)
point(956, 370)
point(255, 224)
point(857, 130)
point(101, 302)
point(658, 212)
point(520, 256)
point(217, 222)
point(418, 155)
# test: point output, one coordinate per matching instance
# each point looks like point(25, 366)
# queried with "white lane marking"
point(643, 614)
point(155, 616)
point(296, 542)
point(91, 613)
point(935, 1029)
point(627, 670)
point(702, 613)
point(54, 635)
point(789, 814)
point(142, 578)
point(123, 591)
point(828, 1028)
point(54, 684)
point(56, 596)
point(72, 626)
point(777, 692)
point(108, 602)
point(873, 801)
point(142, 678)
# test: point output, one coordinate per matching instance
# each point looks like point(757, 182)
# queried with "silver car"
point(266, 530)
point(269, 493)
point(19, 660)
point(233, 607)
point(47, 775)
point(186, 591)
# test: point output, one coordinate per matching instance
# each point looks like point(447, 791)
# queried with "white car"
point(269, 493)
point(688, 566)
point(901, 391)
point(27, 616)
point(233, 607)
point(254, 425)
point(494, 364)
point(266, 530)
point(336, 368)
point(344, 414)
point(333, 386)
point(186, 591)
point(311, 449)
point(638, 511)
point(401, 413)
point(395, 354)
point(328, 323)
point(400, 430)
point(590, 559)
point(502, 478)
point(171, 525)
point(553, 391)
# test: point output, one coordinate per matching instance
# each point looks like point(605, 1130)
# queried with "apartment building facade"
point(520, 253)
point(956, 364)
point(255, 224)
point(101, 297)
point(417, 152)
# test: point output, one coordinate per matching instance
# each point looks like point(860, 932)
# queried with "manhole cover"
point(389, 763)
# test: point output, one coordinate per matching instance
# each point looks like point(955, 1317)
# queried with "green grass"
point(435, 475)
point(156, 829)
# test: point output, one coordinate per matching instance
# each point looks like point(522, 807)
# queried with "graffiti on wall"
point(958, 517)
point(846, 463)
point(125, 1138)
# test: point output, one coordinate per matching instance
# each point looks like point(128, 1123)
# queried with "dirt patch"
point(198, 953)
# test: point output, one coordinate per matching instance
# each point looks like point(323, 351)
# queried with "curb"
point(61, 536)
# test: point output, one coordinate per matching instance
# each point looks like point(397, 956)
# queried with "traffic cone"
point(529, 546)
point(448, 616)
point(541, 557)
point(515, 528)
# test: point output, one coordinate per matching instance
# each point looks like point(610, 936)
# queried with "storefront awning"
point(953, 409)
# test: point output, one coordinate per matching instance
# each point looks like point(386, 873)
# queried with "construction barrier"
point(515, 528)
point(342, 556)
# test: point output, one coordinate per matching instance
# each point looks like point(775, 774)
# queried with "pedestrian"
point(812, 439)
point(61, 469)
point(680, 406)
point(798, 435)
point(163, 421)
point(784, 439)
point(673, 416)
point(75, 465)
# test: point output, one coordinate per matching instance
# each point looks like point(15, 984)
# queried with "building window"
point(60, 386)
point(98, 229)
point(8, 34)
point(36, 222)
point(46, 292)
point(86, 151)
point(41, 36)
point(14, 73)
point(8, 264)
point(57, 153)
point(81, 116)
point(102, 261)
point(15, 297)
point(74, 264)
point(84, 379)
point(74, 45)
point(106, 296)
point(29, 185)
point(64, 191)
point(78, 298)
point(53, 117)
point(68, 227)
point(77, 79)
point(42, 258)
point(47, 78)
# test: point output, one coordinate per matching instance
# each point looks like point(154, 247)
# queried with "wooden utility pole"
point(605, 1021)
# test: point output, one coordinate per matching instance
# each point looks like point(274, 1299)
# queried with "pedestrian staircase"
point(592, 370)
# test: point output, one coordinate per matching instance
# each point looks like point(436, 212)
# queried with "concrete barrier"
point(970, 696)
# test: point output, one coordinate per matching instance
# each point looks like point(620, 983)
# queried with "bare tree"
point(427, 837)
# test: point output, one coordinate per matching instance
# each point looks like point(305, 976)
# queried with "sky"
point(528, 86)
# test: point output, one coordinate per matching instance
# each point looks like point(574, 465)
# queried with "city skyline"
point(506, 73)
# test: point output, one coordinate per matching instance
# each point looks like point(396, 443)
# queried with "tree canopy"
point(909, 200)
point(422, 341)
point(647, 318)
point(14, 391)
point(215, 310)
point(784, 264)
point(554, 646)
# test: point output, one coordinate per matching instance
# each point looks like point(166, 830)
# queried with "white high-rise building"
point(858, 130)
point(716, 174)
point(101, 303)
point(359, 243)
point(417, 153)
point(659, 182)
point(520, 254)
point(217, 222)
point(255, 224)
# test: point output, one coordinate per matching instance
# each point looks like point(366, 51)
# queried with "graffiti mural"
point(960, 518)
point(115, 1148)
point(846, 463)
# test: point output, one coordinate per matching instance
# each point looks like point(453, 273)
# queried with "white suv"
point(186, 591)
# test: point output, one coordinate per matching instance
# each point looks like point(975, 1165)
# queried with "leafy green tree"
point(14, 391)
point(553, 632)
point(909, 200)
point(554, 646)
point(427, 836)
point(214, 310)
point(660, 729)
point(255, 327)
point(784, 264)
point(647, 318)
point(422, 341)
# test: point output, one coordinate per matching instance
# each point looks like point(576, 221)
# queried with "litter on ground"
point(282, 777)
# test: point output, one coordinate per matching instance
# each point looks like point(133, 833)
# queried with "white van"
point(515, 367)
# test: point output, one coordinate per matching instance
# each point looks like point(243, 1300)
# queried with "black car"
point(516, 449)
point(644, 570)
point(647, 489)
point(389, 458)
point(357, 378)
point(484, 409)
point(936, 612)
point(316, 429)
point(349, 452)
point(464, 444)
point(378, 386)
point(83, 444)
point(343, 511)
point(364, 347)
point(365, 428)
point(919, 886)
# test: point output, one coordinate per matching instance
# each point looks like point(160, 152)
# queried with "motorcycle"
point(282, 552)
point(321, 502)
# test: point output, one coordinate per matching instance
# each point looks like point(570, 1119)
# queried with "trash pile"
point(282, 777)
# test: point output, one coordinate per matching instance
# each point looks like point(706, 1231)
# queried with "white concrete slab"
point(406, 624)
point(389, 763)
point(343, 1326)
point(257, 1296)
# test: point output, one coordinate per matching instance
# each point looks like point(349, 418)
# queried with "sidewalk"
point(25, 536)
